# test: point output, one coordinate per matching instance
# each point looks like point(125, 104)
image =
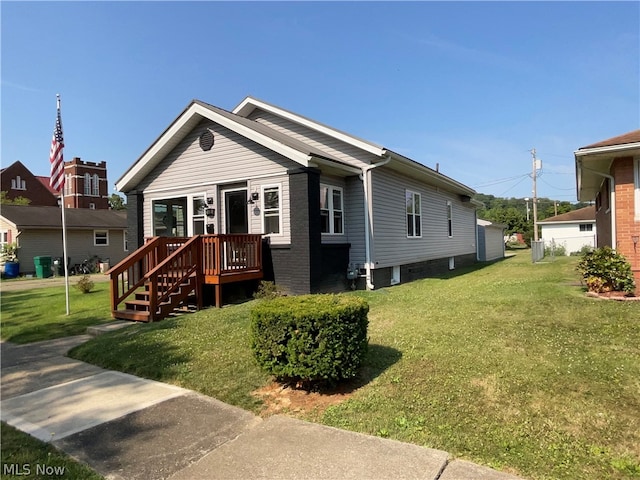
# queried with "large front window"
point(169, 217)
point(414, 214)
point(331, 210)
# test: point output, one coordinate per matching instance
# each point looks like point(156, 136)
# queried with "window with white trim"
point(125, 245)
point(87, 184)
point(18, 183)
point(101, 238)
point(331, 210)
point(414, 214)
point(450, 218)
point(586, 227)
point(271, 209)
point(4, 238)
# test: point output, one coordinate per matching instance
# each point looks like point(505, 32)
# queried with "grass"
point(23, 457)
point(40, 314)
point(508, 365)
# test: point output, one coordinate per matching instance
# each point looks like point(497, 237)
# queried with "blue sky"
point(471, 86)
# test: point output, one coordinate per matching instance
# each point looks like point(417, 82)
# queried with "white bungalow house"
point(572, 230)
point(334, 210)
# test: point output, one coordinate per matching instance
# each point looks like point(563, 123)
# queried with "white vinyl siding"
point(321, 141)
point(233, 158)
point(391, 245)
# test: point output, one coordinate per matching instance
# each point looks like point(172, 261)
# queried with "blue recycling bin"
point(11, 269)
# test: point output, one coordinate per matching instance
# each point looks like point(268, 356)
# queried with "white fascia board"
point(245, 107)
point(605, 150)
point(565, 222)
point(203, 112)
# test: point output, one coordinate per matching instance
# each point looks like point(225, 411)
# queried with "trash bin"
point(11, 269)
point(43, 266)
point(58, 267)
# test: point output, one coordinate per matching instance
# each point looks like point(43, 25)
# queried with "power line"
point(501, 180)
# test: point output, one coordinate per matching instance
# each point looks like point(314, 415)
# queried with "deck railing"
point(172, 259)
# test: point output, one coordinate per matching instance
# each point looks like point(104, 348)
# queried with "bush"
point(605, 270)
point(555, 249)
point(267, 290)
point(84, 284)
point(310, 338)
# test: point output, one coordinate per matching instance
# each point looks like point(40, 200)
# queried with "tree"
point(116, 202)
point(19, 200)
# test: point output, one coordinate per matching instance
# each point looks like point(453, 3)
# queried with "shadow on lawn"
point(379, 358)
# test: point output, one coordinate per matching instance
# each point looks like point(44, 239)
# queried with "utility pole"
point(534, 175)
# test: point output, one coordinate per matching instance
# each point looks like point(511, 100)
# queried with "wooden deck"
point(168, 271)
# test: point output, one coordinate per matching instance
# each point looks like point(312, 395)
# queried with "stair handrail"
point(126, 264)
point(155, 299)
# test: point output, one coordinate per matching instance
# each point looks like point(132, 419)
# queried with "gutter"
point(612, 201)
point(365, 176)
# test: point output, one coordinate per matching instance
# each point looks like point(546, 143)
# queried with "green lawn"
point(508, 365)
point(41, 314)
point(25, 457)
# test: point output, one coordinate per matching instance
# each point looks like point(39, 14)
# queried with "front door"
point(235, 211)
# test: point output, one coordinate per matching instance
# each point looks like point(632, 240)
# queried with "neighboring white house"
point(490, 240)
point(572, 230)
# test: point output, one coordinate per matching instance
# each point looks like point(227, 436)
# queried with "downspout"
point(368, 207)
point(612, 203)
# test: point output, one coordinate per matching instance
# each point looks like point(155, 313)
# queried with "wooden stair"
point(138, 308)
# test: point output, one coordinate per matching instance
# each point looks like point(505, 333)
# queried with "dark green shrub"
point(310, 338)
point(605, 270)
point(84, 284)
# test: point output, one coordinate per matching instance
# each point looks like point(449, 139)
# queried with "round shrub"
point(606, 270)
point(310, 337)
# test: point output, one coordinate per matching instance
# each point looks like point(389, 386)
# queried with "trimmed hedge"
point(310, 337)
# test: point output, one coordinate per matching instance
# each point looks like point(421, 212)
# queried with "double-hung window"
point(331, 210)
point(450, 218)
point(101, 238)
point(414, 214)
point(271, 209)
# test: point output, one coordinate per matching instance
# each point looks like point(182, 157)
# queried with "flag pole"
point(57, 181)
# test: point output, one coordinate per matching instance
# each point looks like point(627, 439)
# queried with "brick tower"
point(86, 185)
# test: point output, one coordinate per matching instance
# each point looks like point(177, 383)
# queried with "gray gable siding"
point(354, 206)
point(232, 158)
point(391, 245)
point(332, 146)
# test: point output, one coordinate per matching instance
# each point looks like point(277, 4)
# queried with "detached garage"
point(490, 240)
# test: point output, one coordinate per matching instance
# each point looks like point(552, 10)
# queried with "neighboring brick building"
point(609, 173)
point(18, 181)
point(86, 185)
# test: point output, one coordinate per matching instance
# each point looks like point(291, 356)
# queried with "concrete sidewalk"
point(126, 427)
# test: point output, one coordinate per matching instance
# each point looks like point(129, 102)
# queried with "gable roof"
point(25, 216)
point(582, 215)
point(249, 104)
point(292, 148)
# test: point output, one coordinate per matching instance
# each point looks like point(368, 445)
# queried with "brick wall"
point(626, 225)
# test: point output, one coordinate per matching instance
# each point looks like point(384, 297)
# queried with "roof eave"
point(180, 127)
point(437, 177)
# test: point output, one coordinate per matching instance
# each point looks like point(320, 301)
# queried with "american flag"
point(55, 155)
